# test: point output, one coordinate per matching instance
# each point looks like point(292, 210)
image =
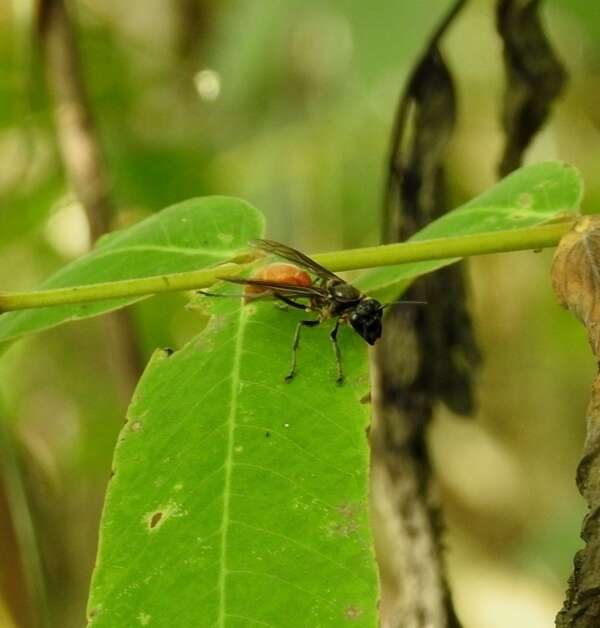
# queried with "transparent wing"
point(285, 289)
point(294, 256)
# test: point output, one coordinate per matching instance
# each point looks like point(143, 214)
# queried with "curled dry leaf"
point(576, 275)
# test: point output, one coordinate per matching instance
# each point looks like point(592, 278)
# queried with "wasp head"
point(366, 319)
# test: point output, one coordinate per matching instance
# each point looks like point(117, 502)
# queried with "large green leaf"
point(187, 236)
point(238, 499)
point(529, 196)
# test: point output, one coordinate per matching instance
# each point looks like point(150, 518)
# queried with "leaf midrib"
point(225, 520)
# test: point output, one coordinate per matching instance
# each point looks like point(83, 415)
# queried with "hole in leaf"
point(155, 519)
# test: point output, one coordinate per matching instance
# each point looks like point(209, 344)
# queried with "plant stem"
point(443, 248)
point(351, 259)
point(145, 286)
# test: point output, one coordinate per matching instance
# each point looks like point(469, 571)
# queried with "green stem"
point(145, 286)
point(446, 248)
point(351, 259)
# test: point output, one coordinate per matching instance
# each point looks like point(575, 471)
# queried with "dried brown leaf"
point(576, 275)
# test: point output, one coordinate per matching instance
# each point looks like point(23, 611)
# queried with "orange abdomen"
point(278, 273)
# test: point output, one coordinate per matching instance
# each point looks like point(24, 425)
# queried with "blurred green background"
point(287, 104)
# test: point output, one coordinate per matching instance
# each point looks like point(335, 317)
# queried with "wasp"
point(328, 295)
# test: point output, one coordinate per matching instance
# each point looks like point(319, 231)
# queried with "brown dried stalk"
point(576, 281)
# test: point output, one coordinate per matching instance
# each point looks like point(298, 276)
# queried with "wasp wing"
point(285, 289)
point(294, 256)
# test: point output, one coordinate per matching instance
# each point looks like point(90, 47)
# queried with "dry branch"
point(576, 280)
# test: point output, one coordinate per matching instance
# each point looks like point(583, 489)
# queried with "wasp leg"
point(290, 302)
point(299, 326)
point(336, 350)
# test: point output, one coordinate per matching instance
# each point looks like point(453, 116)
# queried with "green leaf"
point(528, 197)
point(187, 236)
point(239, 499)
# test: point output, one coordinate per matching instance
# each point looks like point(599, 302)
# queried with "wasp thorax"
point(345, 292)
point(366, 320)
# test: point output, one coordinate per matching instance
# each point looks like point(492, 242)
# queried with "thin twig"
point(75, 127)
point(83, 160)
point(21, 531)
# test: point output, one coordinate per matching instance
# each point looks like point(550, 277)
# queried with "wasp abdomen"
point(278, 273)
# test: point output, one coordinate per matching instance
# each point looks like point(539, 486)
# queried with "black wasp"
point(328, 295)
